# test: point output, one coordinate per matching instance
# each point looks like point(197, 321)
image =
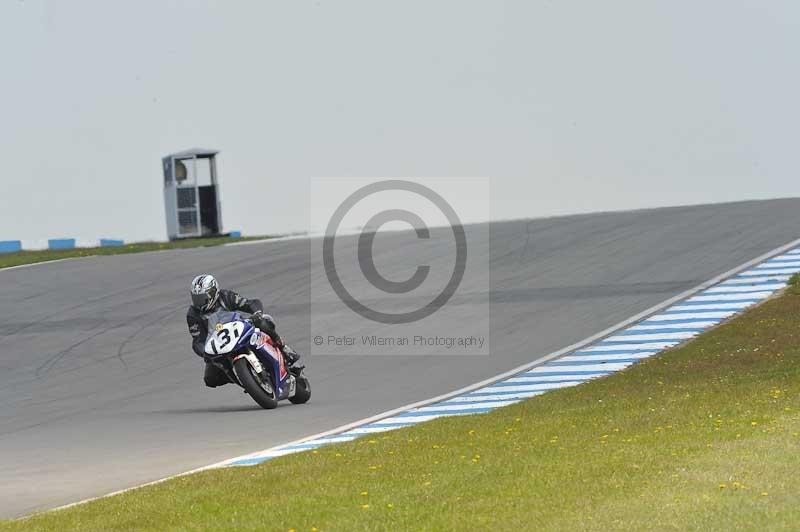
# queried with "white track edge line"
point(30, 264)
point(242, 243)
point(519, 369)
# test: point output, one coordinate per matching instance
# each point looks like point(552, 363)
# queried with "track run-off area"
point(100, 390)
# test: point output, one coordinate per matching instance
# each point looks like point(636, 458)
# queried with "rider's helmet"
point(205, 292)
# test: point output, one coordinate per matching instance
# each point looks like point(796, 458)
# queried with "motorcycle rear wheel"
point(262, 393)
point(302, 393)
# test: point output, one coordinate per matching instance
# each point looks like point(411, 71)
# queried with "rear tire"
point(302, 393)
point(252, 383)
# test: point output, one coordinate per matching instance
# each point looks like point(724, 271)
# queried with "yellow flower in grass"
point(364, 506)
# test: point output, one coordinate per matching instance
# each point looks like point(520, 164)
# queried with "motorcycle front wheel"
point(262, 393)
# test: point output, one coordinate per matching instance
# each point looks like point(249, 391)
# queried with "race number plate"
point(225, 338)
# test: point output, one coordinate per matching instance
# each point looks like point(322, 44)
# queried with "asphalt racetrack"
point(100, 390)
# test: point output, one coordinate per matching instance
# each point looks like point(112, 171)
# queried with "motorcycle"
point(253, 362)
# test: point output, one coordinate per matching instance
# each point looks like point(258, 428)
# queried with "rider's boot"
point(292, 358)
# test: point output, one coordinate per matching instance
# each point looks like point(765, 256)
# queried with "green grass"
point(29, 257)
point(704, 437)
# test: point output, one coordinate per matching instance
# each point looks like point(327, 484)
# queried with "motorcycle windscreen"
point(223, 317)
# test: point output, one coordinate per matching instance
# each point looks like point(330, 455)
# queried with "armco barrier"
point(61, 243)
point(13, 246)
point(10, 246)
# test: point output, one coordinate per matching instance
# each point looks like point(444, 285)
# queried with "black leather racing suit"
point(198, 327)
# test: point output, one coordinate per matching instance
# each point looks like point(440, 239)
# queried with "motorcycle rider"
point(207, 297)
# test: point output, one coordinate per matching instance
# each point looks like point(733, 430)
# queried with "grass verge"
point(704, 437)
point(29, 257)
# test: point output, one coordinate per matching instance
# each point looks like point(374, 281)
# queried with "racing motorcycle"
point(252, 361)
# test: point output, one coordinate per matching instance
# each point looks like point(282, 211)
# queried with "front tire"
point(262, 393)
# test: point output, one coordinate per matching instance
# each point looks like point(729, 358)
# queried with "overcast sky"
point(568, 106)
